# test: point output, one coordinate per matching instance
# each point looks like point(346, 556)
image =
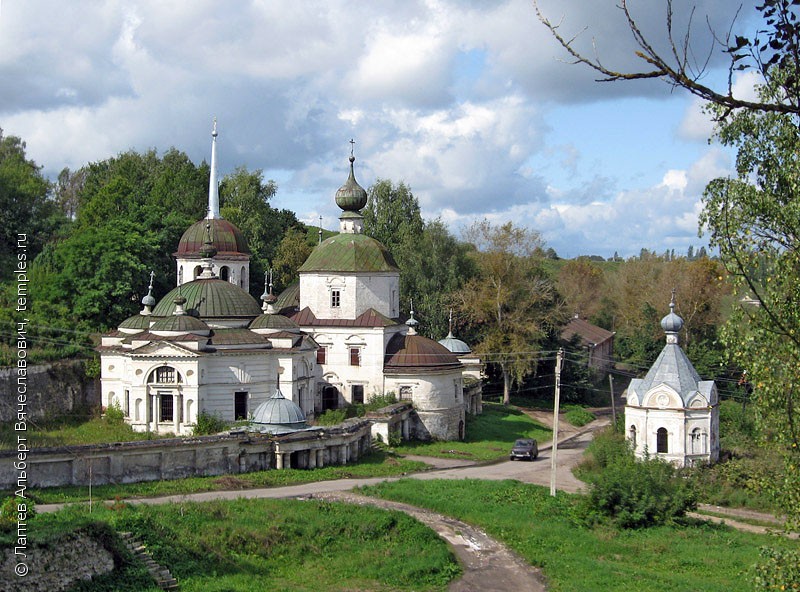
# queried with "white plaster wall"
point(338, 341)
point(679, 424)
point(438, 401)
point(358, 293)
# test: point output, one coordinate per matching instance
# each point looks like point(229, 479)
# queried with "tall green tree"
point(511, 301)
point(754, 221)
point(245, 197)
point(433, 263)
point(292, 252)
point(25, 205)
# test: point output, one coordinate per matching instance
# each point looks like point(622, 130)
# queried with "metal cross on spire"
point(352, 147)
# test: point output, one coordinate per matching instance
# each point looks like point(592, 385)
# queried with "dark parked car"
point(525, 448)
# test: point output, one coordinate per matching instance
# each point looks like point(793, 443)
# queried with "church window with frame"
point(357, 393)
point(336, 298)
point(632, 436)
point(662, 441)
point(406, 393)
point(355, 356)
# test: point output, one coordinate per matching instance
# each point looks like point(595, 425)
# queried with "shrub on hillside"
point(639, 493)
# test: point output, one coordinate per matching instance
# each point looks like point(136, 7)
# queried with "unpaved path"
point(487, 565)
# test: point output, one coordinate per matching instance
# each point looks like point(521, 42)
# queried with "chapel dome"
point(278, 414)
point(416, 353)
point(210, 298)
point(350, 253)
point(226, 238)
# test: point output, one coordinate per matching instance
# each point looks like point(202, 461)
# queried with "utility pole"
point(613, 406)
point(554, 449)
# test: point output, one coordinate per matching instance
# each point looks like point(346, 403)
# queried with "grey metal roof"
point(455, 345)
point(673, 368)
point(278, 412)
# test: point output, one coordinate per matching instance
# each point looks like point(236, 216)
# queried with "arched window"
point(662, 441)
point(632, 436)
point(165, 375)
point(197, 271)
point(180, 275)
point(224, 273)
point(243, 278)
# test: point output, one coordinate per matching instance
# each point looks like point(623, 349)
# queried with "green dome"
point(274, 322)
point(226, 238)
point(180, 323)
point(210, 298)
point(351, 196)
point(139, 322)
point(350, 253)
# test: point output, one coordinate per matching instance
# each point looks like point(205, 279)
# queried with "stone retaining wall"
point(175, 458)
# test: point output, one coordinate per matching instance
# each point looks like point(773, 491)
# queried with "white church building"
point(672, 413)
point(209, 346)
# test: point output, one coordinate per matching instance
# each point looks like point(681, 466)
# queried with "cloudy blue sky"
point(470, 102)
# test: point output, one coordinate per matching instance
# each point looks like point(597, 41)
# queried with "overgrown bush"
point(632, 493)
point(208, 424)
point(638, 493)
point(114, 414)
point(331, 417)
point(578, 416)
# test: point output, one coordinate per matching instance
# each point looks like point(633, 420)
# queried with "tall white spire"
point(213, 187)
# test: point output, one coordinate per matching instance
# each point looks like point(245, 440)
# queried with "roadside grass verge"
point(547, 532)
point(489, 436)
point(375, 464)
point(289, 545)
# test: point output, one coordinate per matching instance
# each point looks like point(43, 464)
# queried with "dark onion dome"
point(278, 414)
point(407, 353)
point(210, 298)
point(455, 345)
point(350, 253)
point(180, 324)
point(672, 323)
point(226, 238)
point(351, 196)
point(137, 322)
point(273, 322)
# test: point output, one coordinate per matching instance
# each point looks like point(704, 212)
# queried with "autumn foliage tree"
point(511, 301)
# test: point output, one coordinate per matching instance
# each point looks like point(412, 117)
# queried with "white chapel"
point(672, 413)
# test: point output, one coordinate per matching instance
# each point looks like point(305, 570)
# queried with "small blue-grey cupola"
point(278, 415)
point(451, 343)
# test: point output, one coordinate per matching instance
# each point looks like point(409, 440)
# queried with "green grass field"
point(692, 556)
point(489, 436)
point(276, 545)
